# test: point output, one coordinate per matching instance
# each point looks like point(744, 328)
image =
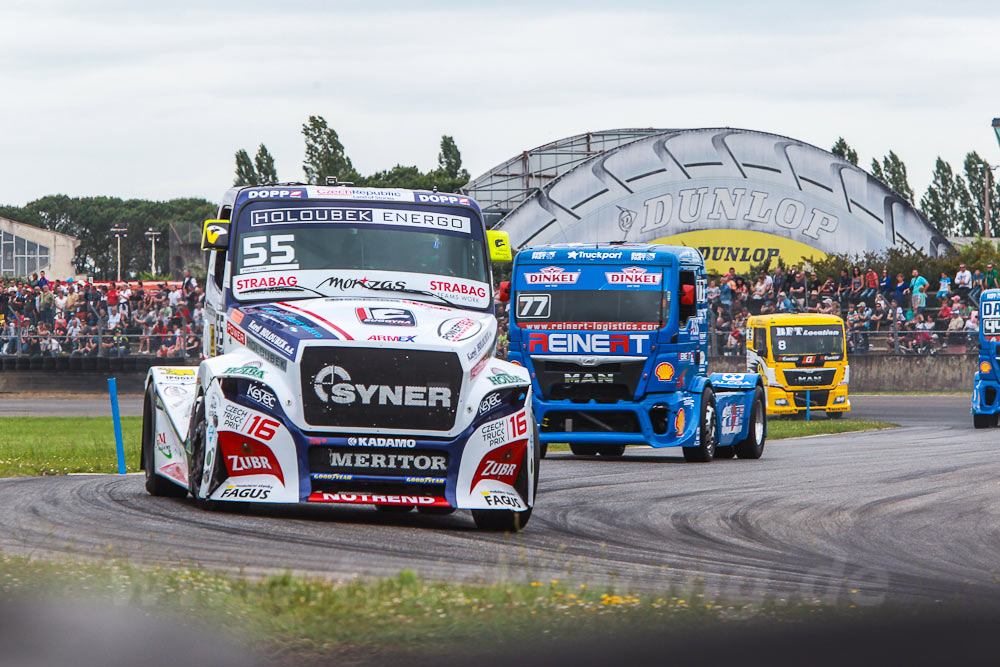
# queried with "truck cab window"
point(686, 310)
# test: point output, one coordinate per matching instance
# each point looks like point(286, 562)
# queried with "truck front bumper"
point(781, 401)
point(659, 420)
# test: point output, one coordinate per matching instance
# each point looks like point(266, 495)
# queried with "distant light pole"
point(152, 235)
point(119, 232)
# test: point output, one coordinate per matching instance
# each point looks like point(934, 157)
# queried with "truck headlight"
point(780, 401)
point(839, 399)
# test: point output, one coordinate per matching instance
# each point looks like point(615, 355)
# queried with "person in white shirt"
point(963, 282)
point(114, 317)
point(175, 297)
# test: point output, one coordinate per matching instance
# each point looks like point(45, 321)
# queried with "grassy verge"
point(288, 616)
point(60, 445)
point(788, 428)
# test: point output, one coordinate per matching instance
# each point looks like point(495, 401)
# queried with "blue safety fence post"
point(113, 391)
point(808, 403)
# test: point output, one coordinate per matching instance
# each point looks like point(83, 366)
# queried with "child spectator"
point(944, 287)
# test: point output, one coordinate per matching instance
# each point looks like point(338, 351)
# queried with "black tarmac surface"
point(909, 515)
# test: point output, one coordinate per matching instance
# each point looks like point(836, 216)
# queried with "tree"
point(246, 174)
point(842, 149)
point(266, 173)
point(325, 154)
point(975, 213)
point(892, 172)
point(940, 204)
point(450, 159)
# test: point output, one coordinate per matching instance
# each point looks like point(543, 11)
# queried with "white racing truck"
point(348, 358)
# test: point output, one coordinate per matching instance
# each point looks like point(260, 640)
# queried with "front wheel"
point(705, 450)
point(752, 447)
point(197, 437)
point(155, 484)
point(835, 415)
point(982, 421)
point(611, 451)
point(580, 449)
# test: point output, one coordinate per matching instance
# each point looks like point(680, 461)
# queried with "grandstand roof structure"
point(505, 186)
point(742, 197)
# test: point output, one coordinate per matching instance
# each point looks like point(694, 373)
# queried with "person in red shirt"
point(871, 285)
point(112, 295)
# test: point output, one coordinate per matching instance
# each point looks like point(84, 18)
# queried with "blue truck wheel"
point(753, 446)
point(705, 450)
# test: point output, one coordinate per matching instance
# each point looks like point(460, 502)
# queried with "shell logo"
point(985, 367)
point(664, 372)
point(679, 422)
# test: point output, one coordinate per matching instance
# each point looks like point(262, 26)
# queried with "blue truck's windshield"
point(595, 310)
point(590, 298)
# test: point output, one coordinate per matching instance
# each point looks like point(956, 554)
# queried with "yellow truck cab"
point(803, 360)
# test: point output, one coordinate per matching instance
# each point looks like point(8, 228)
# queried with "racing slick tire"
point(705, 452)
point(508, 520)
point(611, 451)
point(545, 449)
point(984, 421)
point(834, 415)
point(155, 484)
point(196, 436)
point(753, 446)
point(580, 449)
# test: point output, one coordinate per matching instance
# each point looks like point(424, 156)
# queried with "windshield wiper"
point(410, 290)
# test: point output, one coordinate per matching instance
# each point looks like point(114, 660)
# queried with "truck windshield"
point(826, 339)
point(594, 310)
point(309, 248)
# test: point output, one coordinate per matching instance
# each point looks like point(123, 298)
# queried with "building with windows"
point(25, 249)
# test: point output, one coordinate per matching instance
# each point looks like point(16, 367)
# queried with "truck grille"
point(810, 378)
point(354, 387)
point(602, 383)
point(817, 398)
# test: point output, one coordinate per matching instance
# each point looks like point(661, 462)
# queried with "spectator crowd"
point(42, 317)
point(904, 314)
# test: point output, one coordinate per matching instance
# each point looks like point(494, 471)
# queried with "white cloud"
point(153, 103)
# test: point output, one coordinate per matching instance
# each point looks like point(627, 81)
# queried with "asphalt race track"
point(906, 515)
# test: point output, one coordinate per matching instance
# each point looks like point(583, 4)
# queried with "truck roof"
point(239, 195)
point(626, 252)
point(786, 319)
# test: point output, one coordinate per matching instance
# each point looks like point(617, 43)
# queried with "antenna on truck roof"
point(332, 180)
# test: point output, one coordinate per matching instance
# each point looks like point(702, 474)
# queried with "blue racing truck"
point(615, 339)
point(986, 390)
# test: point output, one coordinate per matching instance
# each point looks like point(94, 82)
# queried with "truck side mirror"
point(215, 235)
point(687, 295)
point(499, 246)
point(503, 291)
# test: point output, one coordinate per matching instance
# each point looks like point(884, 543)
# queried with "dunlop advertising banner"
point(737, 195)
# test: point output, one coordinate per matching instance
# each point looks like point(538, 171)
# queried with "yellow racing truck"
point(803, 360)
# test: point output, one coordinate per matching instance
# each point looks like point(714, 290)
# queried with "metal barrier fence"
point(902, 342)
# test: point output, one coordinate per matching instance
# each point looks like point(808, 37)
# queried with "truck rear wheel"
point(753, 446)
point(705, 451)
point(506, 520)
point(580, 449)
point(155, 484)
point(983, 421)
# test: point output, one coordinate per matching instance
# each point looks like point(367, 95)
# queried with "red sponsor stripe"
point(377, 499)
point(317, 317)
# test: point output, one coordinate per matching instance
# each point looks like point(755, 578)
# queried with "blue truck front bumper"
point(660, 420)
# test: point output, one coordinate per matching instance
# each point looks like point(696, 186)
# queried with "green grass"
point(61, 445)
point(778, 428)
point(286, 617)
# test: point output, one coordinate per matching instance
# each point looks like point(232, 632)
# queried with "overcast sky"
point(133, 100)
